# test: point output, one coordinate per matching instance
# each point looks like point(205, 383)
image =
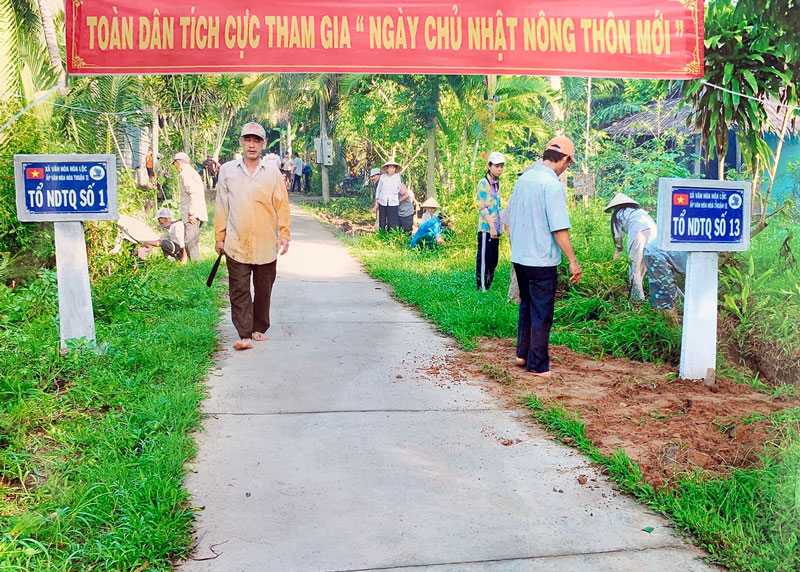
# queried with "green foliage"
point(634, 167)
point(745, 54)
point(761, 299)
point(28, 245)
point(94, 442)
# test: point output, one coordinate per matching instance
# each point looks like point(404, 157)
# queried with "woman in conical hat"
point(628, 218)
point(387, 196)
point(429, 209)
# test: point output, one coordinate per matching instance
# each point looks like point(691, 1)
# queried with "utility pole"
point(154, 136)
point(323, 138)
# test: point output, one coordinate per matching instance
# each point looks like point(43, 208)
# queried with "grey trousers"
point(192, 240)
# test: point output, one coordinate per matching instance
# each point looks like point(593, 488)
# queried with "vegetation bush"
point(94, 442)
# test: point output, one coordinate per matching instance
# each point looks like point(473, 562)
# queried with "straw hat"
point(391, 162)
point(431, 203)
point(182, 157)
point(619, 200)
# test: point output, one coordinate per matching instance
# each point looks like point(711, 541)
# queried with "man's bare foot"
point(260, 336)
point(243, 344)
point(522, 362)
point(547, 374)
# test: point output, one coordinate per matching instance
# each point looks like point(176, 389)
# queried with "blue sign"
point(707, 215)
point(66, 187)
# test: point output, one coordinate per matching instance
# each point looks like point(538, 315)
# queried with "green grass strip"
point(749, 521)
point(93, 445)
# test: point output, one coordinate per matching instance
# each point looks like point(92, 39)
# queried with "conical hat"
point(392, 162)
point(431, 203)
point(619, 200)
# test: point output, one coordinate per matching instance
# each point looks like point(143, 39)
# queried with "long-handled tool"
point(214, 270)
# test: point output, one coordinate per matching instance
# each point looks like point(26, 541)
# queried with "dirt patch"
point(347, 226)
point(666, 425)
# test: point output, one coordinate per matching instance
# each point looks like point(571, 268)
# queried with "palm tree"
point(18, 20)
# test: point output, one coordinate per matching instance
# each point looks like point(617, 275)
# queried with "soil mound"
point(665, 424)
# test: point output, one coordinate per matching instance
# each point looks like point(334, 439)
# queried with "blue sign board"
point(704, 216)
point(707, 215)
point(66, 187)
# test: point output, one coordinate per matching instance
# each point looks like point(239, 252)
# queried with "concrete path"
point(346, 442)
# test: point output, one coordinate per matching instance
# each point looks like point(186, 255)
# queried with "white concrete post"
point(75, 314)
point(699, 338)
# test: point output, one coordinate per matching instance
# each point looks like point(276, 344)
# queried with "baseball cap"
point(163, 212)
point(253, 128)
point(496, 158)
point(562, 145)
point(181, 156)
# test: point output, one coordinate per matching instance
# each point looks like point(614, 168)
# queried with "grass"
point(748, 520)
point(93, 443)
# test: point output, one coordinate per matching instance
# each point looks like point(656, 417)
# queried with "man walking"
point(489, 227)
point(540, 229)
point(252, 226)
point(192, 203)
point(297, 173)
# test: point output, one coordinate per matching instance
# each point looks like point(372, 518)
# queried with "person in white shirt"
point(272, 159)
point(297, 173)
point(193, 203)
point(387, 196)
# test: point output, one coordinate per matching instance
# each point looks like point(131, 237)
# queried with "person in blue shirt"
point(540, 229)
point(429, 232)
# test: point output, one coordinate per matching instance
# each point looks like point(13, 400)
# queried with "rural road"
point(349, 441)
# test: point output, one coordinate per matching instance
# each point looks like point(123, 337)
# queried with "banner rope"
point(764, 101)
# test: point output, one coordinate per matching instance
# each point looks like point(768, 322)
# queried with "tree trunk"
point(154, 142)
point(558, 115)
point(756, 187)
point(491, 90)
point(289, 136)
point(720, 163)
point(430, 182)
point(51, 39)
point(323, 136)
point(774, 170)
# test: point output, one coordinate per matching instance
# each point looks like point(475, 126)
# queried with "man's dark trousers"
point(297, 184)
point(250, 313)
point(537, 292)
point(486, 261)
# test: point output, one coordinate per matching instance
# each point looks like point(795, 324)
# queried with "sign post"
point(703, 218)
point(65, 190)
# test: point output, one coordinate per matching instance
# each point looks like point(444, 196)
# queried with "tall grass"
point(93, 443)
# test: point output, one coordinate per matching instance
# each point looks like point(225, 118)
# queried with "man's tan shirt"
point(193, 197)
point(252, 212)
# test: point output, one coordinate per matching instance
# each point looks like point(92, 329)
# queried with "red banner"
point(624, 38)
